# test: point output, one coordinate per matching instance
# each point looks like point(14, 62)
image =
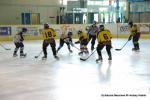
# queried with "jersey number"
point(105, 36)
point(48, 34)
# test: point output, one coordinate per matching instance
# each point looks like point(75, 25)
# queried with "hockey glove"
point(130, 37)
point(77, 42)
point(71, 44)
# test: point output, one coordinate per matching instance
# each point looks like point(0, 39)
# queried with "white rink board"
point(120, 29)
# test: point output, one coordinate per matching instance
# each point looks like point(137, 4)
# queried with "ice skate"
point(15, 55)
point(99, 59)
point(110, 58)
point(44, 57)
point(80, 53)
point(133, 49)
point(86, 52)
point(56, 57)
point(22, 55)
point(136, 49)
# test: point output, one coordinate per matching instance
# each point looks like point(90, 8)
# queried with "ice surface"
point(126, 77)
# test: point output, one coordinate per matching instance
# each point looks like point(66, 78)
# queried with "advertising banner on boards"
point(5, 31)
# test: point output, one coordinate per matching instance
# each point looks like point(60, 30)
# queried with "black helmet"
point(24, 29)
point(101, 27)
point(130, 23)
point(79, 31)
point(46, 25)
point(70, 34)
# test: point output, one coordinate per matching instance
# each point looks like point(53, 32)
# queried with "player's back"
point(48, 33)
point(104, 36)
point(84, 35)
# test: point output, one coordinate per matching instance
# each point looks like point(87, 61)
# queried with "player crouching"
point(83, 40)
point(18, 41)
point(65, 39)
point(48, 36)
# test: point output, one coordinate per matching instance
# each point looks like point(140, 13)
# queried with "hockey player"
point(83, 40)
point(92, 31)
point(18, 41)
point(135, 33)
point(104, 39)
point(49, 39)
point(65, 39)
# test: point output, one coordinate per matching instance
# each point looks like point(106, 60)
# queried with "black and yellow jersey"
point(104, 36)
point(83, 36)
point(48, 34)
point(135, 29)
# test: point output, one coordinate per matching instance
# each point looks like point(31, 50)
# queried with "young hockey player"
point(135, 33)
point(65, 39)
point(83, 40)
point(92, 31)
point(104, 39)
point(18, 41)
point(49, 39)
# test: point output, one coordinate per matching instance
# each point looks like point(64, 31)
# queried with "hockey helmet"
point(101, 27)
point(79, 31)
point(46, 25)
point(70, 34)
point(130, 23)
point(24, 29)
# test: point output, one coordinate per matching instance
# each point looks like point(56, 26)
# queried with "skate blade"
point(97, 61)
point(57, 58)
point(15, 55)
point(25, 55)
point(44, 58)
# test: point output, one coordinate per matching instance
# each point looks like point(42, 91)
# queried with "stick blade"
point(83, 59)
point(117, 49)
point(7, 49)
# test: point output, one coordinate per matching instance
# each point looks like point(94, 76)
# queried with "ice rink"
point(126, 77)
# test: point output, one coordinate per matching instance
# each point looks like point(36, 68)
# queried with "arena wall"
point(119, 30)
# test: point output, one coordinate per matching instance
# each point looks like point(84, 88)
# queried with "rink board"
point(120, 30)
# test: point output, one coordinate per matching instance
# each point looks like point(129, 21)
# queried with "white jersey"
point(17, 38)
point(93, 30)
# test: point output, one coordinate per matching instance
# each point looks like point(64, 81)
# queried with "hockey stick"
point(5, 47)
point(88, 56)
point(73, 45)
point(76, 47)
point(39, 54)
point(122, 46)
